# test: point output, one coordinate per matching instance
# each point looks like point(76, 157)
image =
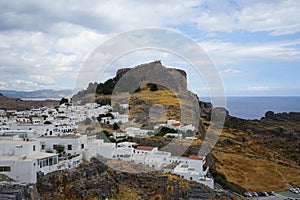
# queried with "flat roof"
point(17, 141)
point(66, 136)
point(41, 155)
point(10, 158)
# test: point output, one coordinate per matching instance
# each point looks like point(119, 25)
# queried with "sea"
point(249, 107)
point(256, 107)
point(40, 99)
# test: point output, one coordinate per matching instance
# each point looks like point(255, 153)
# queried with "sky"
point(255, 45)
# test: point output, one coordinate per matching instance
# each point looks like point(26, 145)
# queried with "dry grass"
point(127, 193)
point(256, 174)
point(162, 97)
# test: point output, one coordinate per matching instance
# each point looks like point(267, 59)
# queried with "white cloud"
point(42, 42)
point(276, 17)
point(230, 71)
point(226, 53)
point(18, 84)
point(42, 79)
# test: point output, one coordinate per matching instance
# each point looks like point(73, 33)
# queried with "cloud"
point(230, 71)
point(42, 79)
point(227, 53)
point(18, 84)
point(275, 17)
point(45, 42)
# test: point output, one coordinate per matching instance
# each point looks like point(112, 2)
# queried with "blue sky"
point(255, 45)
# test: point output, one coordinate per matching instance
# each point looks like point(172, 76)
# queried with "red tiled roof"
point(176, 124)
point(195, 157)
point(144, 148)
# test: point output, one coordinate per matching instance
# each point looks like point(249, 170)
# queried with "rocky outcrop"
point(16, 191)
point(155, 72)
point(95, 180)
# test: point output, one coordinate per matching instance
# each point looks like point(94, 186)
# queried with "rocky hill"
point(95, 180)
point(258, 155)
point(135, 86)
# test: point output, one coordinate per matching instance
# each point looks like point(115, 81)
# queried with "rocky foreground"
point(94, 180)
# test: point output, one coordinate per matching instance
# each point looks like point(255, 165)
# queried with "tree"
point(104, 115)
point(152, 86)
point(63, 100)
point(87, 121)
point(116, 126)
point(164, 130)
point(60, 149)
point(89, 129)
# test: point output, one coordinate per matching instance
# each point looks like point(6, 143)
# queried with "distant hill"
point(7, 103)
point(46, 93)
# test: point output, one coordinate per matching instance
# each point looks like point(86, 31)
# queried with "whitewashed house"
point(194, 169)
point(37, 120)
point(99, 147)
point(119, 117)
point(73, 144)
point(124, 151)
point(21, 159)
point(136, 132)
point(120, 134)
point(38, 129)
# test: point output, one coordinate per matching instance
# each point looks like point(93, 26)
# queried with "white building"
point(73, 144)
point(174, 135)
point(194, 169)
point(136, 132)
point(99, 147)
point(38, 129)
point(120, 134)
point(124, 151)
point(37, 120)
point(22, 159)
point(119, 117)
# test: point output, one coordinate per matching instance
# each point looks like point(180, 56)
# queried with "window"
point(69, 147)
point(82, 146)
point(55, 160)
point(4, 168)
point(43, 146)
point(55, 146)
point(191, 178)
point(33, 147)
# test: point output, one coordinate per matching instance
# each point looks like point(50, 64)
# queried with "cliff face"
point(155, 72)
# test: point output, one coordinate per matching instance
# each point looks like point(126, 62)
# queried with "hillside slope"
point(255, 154)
